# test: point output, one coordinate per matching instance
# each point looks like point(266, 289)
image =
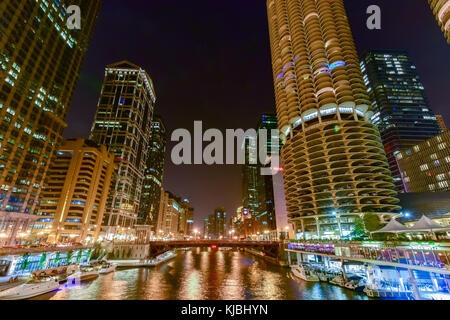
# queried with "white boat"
point(162, 258)
point(132, 263)
point(339, 281)
point(107, 268)
point(84, 274)
point(13, 282)
point(30, 289)
point(304, 273)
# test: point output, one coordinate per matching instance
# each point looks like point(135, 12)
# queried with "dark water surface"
point(202, 274)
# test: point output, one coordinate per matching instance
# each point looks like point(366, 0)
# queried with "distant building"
point(75, 194)
point(266, 214)
point(441, 10)
point(244, 225)
point(401, 109)
point(426, 166)
point(217, 224)
point(40, 61)
point(187, 220)
point(441, 122)
point(258, 194)
point(154, 173)
point(123, 123)
point(173, 217)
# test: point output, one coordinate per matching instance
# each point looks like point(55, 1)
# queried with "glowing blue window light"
point(337, 64)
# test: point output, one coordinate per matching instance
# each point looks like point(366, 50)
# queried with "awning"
point(393, 227)
point(425, 224)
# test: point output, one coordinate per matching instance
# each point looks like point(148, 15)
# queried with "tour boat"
point(303, 273)
point(85, 273)
point(107, 268)
point(30, 289)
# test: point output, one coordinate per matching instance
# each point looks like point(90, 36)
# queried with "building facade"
point(171, 218)
point(154, 173)
point(441, 10)
point(401, 110)
point(441, 122)
point(217, 226)
point(123, 124)
point(426, 166)
point(76, 190)
point(334, 164)
point(40, 60)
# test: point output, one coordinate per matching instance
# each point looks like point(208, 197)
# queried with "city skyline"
point(179, 67)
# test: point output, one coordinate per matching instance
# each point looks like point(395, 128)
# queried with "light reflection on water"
point(204, 274)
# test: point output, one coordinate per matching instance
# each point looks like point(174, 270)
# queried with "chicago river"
point(204, 274)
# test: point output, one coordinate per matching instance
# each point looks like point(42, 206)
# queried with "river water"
point(204, 274)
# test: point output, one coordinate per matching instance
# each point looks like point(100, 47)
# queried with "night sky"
point(210, 61)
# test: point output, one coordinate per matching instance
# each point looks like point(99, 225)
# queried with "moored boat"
point(304, 273)
point(13, 282)
point(107, 268)
point(30, 289)
point(355, 283)
point(85, 273)
point(339, 281)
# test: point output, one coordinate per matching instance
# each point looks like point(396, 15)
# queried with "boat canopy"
point(425, 224)
point(393, 227)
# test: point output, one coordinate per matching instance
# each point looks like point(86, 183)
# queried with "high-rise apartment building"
point(154, 172)
point(401, 110)
point(40, 60)
point(333, 160)
point(76, 190)
point(441, 122)
point(123, 124)
point(426, 166)
point(441, 10)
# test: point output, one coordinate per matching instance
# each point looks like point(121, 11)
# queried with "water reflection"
point(204, 274)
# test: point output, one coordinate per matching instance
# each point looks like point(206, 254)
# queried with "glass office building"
point(401, 110)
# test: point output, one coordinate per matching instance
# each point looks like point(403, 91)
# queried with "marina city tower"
point(335, 167)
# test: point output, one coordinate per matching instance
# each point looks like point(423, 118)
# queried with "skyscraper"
point(266, 214)
point(334, 164)
point(441, 10)
point(154, 172)
point(251, 177)
point(123, 123)
point(40, 60)
point(77, 187)
point(399, 103)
